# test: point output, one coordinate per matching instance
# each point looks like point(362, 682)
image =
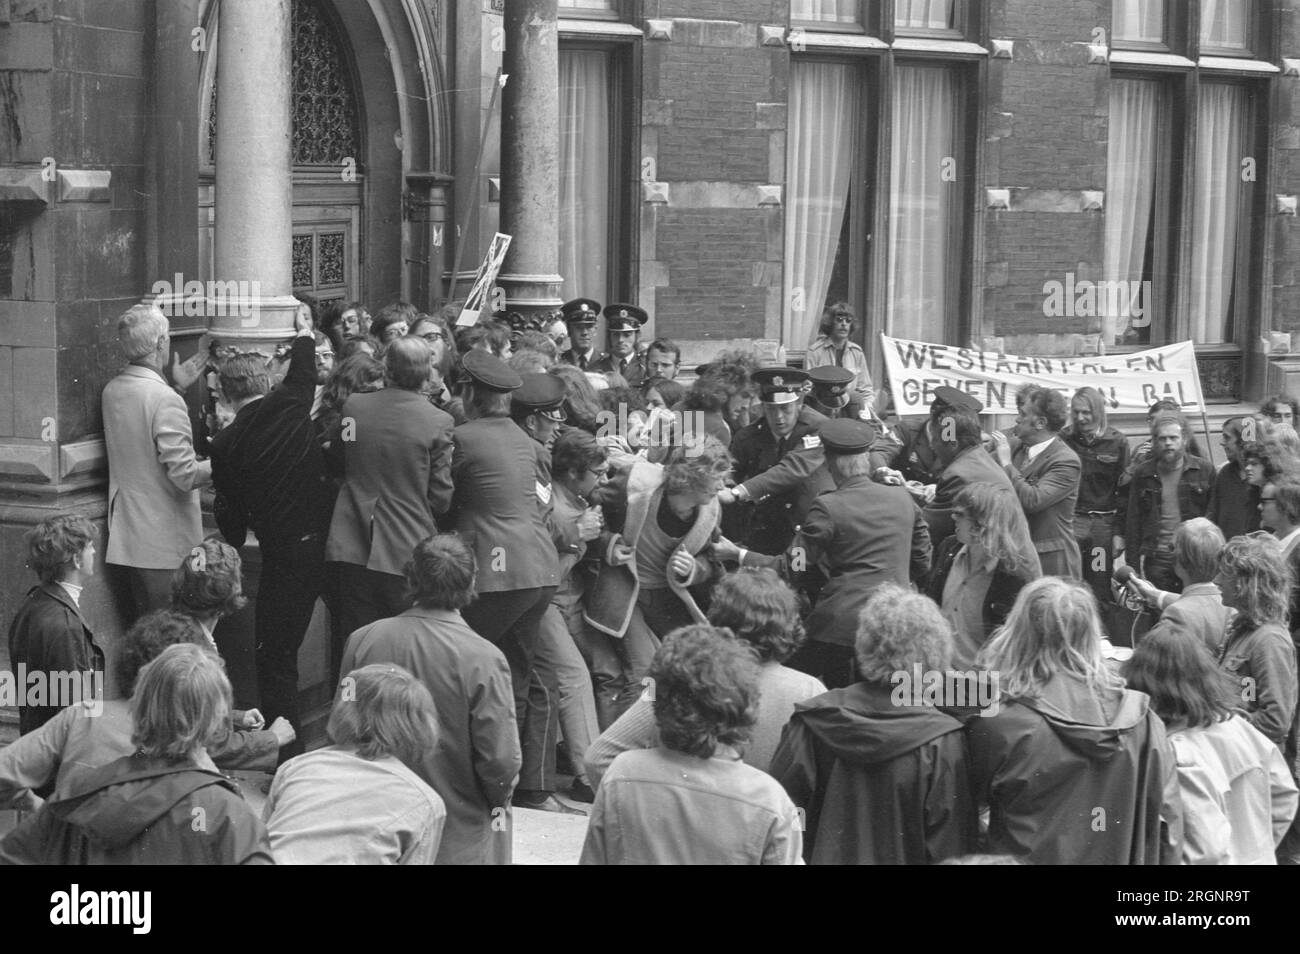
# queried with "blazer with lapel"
point(972, 465)
point(1048, 487)
point(153, 474)
point(396, 478)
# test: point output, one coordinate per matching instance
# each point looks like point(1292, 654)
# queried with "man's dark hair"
point(54, 543)
point(667, 346)
point(963, 432)
point(1271, 403)
point(575, 450)
point(244, 375)
point(148, 637)
point(391, 315)
point(705, 690)
point(1049, 405)
point(440, 574)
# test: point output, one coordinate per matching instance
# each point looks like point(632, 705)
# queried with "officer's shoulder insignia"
point(811, 440)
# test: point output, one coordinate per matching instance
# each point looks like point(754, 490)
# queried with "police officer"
point(623, 331)
point(580, 317)
point(911, 454)
point(832, 393)
point(537, 406)
point(779, 464)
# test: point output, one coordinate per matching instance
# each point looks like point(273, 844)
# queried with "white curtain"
point(1223, 23)
point(1216, 200)
point(1130, 196)
point(825, 11)
point(1139, 20)
point(923, 202)
point(584, 173)
point(924, 14)
point(823, 122)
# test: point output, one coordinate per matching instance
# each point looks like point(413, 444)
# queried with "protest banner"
point(1130, 382)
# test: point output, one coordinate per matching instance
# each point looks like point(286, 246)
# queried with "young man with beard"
point(1168, 488)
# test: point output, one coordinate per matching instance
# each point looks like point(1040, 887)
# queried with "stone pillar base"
point(532, 294)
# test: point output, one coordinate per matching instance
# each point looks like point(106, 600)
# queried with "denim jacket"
point(1142, 526)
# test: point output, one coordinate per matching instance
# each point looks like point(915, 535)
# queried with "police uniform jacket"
point(782, 477)
point(862, 534)
point(501, 505)
point(571, 357)
point(632, 367)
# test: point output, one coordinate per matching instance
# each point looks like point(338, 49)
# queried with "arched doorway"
point(367, 118)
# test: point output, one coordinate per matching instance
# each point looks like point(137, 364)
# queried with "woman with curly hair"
point(724, 393)
point(691, 800)
point(1238, 797)
point(763, 612)
point(979, 572)
point(1258, 653)
point(664, 521)
point(1075, 768)
point(879, 771)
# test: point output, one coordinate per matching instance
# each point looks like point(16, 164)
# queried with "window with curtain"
point(585, 163)
point(1217, 189)
point(1136, 106)
point(925, 14)
point(922, 202)
point(825, 11)
point(1138, 21)
point(1225, 23)
point(579, 7)
point(825, 104)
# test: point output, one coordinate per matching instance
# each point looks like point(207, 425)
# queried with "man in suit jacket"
point(154, 476)
point(1045, 475)
point(476, 761)
point(394, 452)
point(269, 472)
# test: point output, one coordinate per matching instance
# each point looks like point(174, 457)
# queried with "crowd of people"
point(747, 620)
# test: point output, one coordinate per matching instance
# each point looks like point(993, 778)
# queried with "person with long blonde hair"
point(1075, 768)
point(979, 572)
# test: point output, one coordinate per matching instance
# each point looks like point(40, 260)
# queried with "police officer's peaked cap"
point(780, 385)
point(490, 371)
point(624, 317)
point(831, 384)
point(580, 311)
point(960, 400)
point(844, 435)
point(538, 393)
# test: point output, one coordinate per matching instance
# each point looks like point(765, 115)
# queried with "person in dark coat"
point(910, 453)
point(962, 459)
point(396, 465)
point(503, 493)
point(48, 634)
point(861, 534)
point(978, 573)
point(476, 761)
point(880, 772)
point(1234, 504)
point(1075, 768)
point(269, 473)
point(778, 465)
point(165, 805)
point(832, 395)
